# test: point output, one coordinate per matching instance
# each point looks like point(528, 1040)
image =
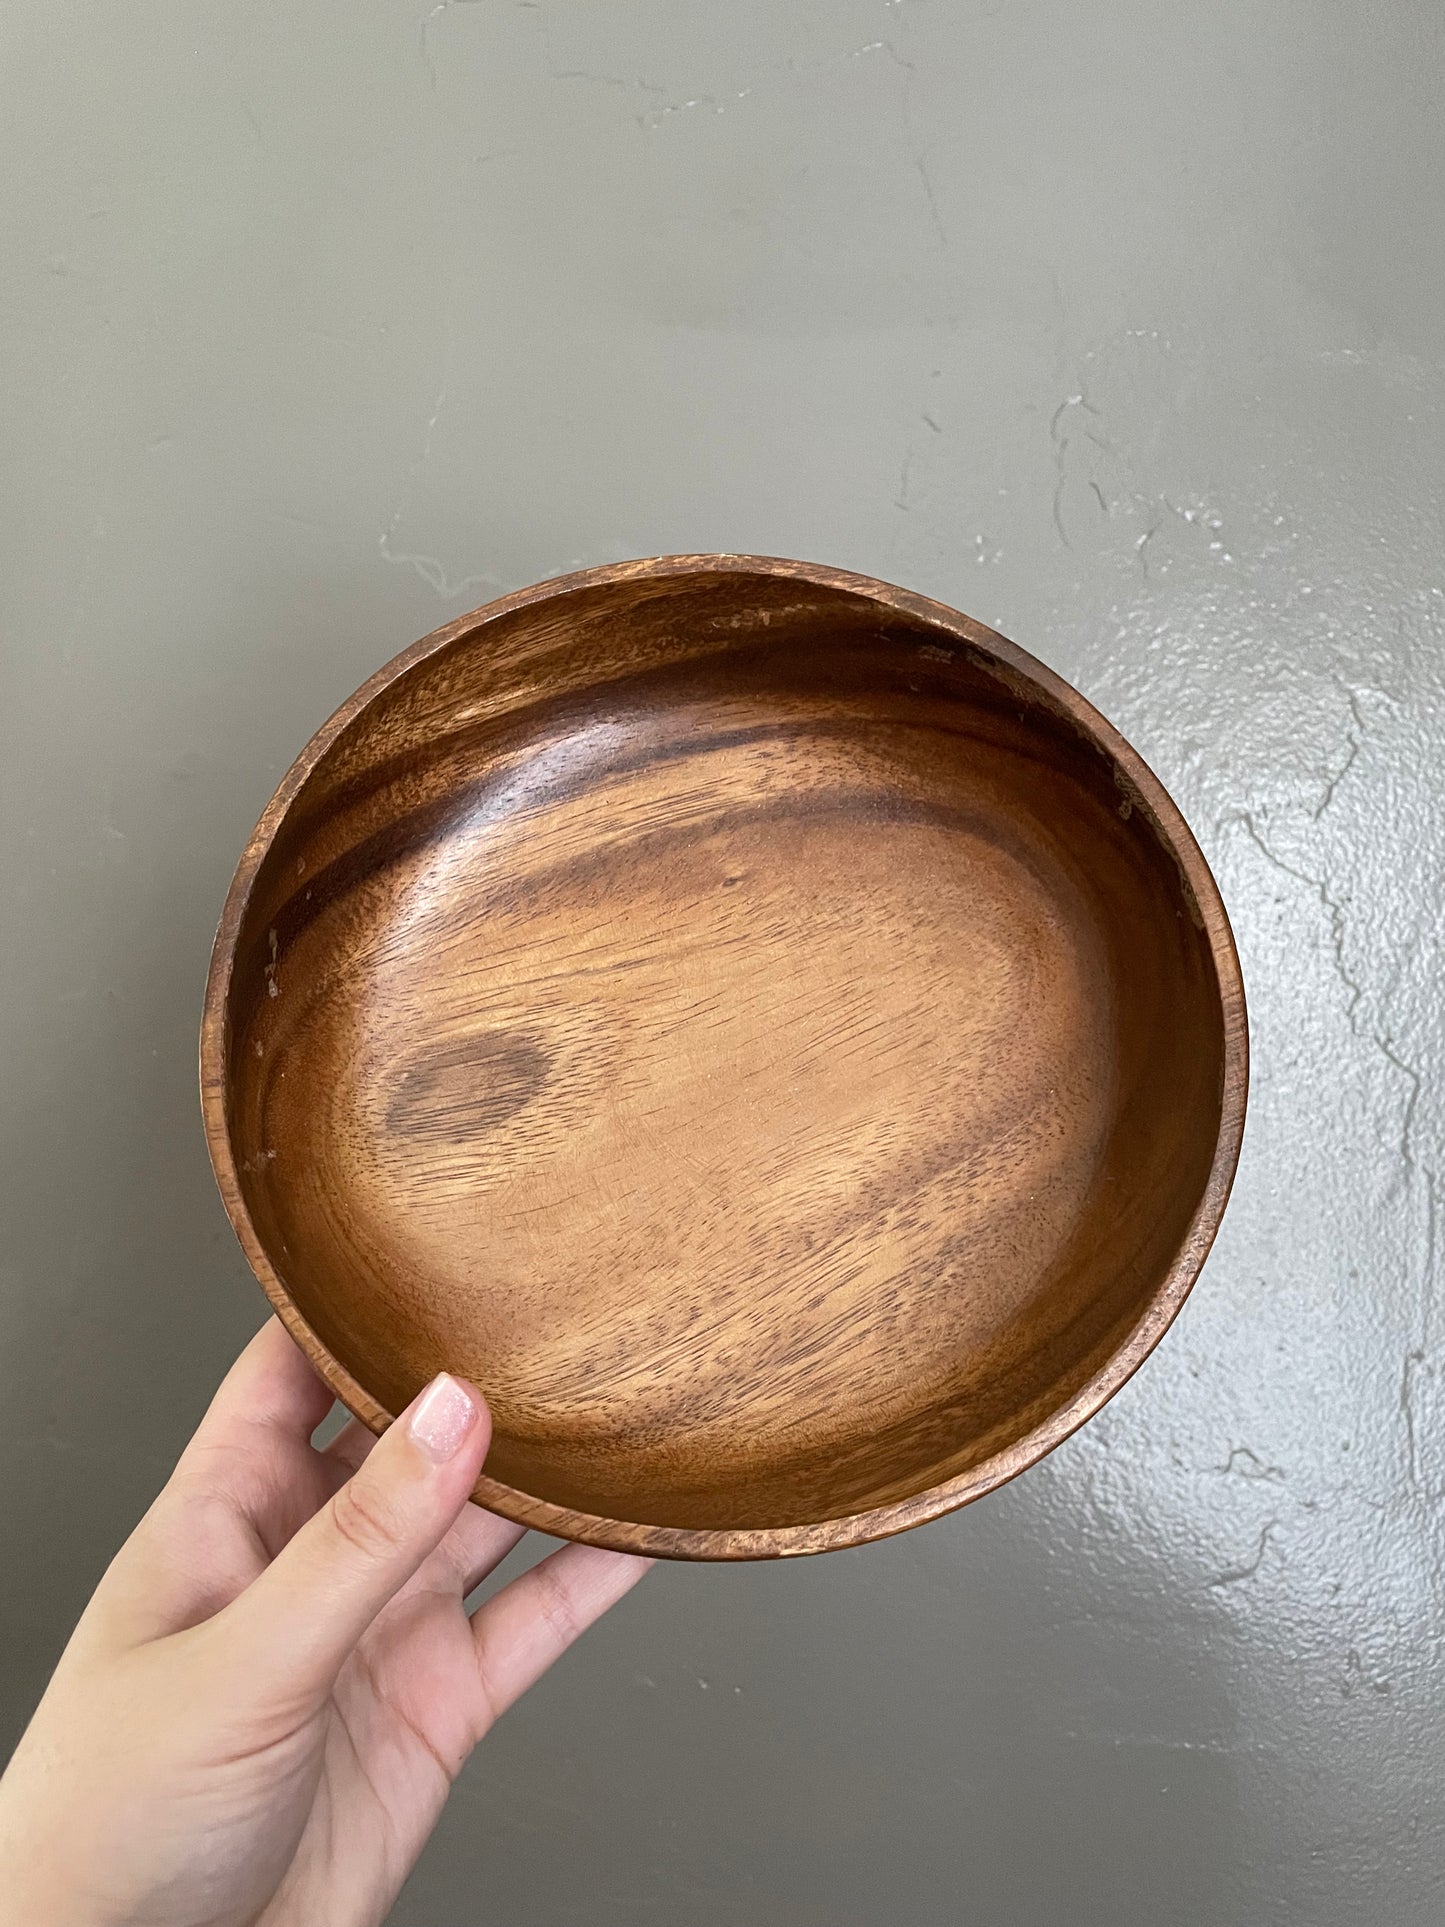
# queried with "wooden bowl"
point(760, 1025)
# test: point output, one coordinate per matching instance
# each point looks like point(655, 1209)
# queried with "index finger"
point(271, 1387)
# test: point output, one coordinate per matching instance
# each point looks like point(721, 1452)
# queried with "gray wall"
point(1118, 323)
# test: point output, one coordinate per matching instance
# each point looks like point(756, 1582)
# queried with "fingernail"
point(442, 1417)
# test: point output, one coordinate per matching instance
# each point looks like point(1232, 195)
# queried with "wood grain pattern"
point(763, 1027)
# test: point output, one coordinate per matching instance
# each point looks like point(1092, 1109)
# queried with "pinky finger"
point(530, 1623)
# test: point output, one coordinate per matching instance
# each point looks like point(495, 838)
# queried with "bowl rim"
point(877, 1522)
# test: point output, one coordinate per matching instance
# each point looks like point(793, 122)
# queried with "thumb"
point(289, 1633)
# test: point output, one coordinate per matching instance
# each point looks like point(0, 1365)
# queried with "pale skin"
point(262, 1710)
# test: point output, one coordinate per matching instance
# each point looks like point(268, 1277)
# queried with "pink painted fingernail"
point(442, 1417)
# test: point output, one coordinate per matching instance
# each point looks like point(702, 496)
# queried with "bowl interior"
point(755, 1033)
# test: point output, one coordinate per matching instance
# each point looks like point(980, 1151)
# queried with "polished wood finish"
point(762, 1026)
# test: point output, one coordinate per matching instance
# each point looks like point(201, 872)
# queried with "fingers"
point(532, 1622)
point(291, 1630)
point(248, 1447)
point(252, 1449)
point(239, 1490)
point(478, 1541)
point(270, 1386)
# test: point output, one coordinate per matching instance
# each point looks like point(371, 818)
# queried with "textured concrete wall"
point(1120, 325)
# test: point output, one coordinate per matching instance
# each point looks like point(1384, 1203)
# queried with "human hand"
point(260, 1714)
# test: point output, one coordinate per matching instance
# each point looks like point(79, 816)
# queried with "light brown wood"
point(763, 1027)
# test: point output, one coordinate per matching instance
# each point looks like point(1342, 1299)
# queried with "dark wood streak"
point(765, 1028)
point(630, 699)
point(463, 1087)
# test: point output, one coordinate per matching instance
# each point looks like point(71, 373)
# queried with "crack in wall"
point(429, 567)
point(1411, 1072)
point(654, 117)
point(905, 478)
point(1236, 1575)
point(1417, 1353)
point(1353, 738)
point(1061, 441)
point(1337, 914)
point(1414, 1172)
point(905, 109)
point(920, 163)
point(424, 33)
point(1245, 1463)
